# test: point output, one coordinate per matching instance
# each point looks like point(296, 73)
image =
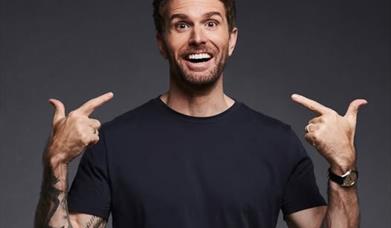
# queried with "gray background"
point(332, 51)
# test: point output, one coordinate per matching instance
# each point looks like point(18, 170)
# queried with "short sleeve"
point(301, 191)
point(90, 190)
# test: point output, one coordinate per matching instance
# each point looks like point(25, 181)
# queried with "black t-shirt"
point(156, 168)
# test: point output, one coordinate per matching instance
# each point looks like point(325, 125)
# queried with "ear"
point(233, 37)
point(161, 44)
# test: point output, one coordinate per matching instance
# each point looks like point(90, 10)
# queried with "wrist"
point(53, 156)
point(342, 168)
point(56, 162)
point(343, 164)
point(56, 174)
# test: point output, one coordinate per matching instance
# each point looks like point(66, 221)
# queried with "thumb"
point(352, 111)
point(59, 110)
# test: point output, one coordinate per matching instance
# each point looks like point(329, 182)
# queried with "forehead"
point(194, 7)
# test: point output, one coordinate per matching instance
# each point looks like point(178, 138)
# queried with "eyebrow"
point(184, 16)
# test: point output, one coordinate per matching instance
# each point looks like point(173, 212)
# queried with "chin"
point(193, 79)
point(200, 79)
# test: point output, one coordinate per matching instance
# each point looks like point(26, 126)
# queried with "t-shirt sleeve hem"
point(90, 211)
point(291, 210)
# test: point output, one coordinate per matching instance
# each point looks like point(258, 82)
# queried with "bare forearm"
point(343, 209)
point(52, 210)
point(70, 135)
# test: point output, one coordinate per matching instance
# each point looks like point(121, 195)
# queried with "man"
point(194, 157)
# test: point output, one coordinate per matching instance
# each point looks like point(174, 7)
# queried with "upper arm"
point(301, 196)
point(308, 218)
point(90, 192)
point(80, 220)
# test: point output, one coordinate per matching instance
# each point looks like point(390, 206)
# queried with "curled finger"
point(94, 139)
point(95, 131)
point(311, 127)
point(310, 138)
point(94, 123)
point(315, 120)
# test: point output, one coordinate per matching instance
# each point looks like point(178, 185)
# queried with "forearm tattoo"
point(52, 204)
point(52, 210)
point(95, 222)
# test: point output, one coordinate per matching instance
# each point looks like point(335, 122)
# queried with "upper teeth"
point(199, 56)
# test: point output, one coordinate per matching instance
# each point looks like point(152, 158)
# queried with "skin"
point(197, 90)
point(196, 26)
point(333, 137)
point(71, 134)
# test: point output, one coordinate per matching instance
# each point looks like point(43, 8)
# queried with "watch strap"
point(347, 179)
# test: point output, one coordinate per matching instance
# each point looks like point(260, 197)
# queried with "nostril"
point(196, 42)
point(197, 37)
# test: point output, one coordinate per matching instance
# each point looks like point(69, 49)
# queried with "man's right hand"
point(70, 135)
point(73, 133)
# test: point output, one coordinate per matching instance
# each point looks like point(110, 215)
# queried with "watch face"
point(350, 179)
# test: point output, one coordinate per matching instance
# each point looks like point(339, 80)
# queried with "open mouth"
point(199, 57)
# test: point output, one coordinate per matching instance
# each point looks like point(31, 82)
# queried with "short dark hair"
point(158, 6)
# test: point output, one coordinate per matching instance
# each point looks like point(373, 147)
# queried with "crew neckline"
point(203, 119)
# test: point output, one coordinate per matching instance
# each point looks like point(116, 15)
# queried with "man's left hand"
point(332, 134)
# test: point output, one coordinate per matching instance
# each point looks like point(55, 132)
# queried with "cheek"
point(220, 41)
point(176, 44)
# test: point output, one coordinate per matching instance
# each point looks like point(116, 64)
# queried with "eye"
point(181, 26)
point(211, 24)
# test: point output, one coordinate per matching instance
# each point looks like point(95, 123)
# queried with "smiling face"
point(196, 40)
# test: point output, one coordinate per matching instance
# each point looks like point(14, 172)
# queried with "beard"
point(198, 80)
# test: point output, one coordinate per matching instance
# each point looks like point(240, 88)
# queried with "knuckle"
point(85, 140)
point(328, 117)
point(80, 129)
point(81, 122)
point(333, 113)
point(72, 114)
point(315, 135)
point(85, 136)
point(81, 139)
point(96, 123)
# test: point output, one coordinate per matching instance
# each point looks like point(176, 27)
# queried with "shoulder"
point(275, 132)
point(276, 139)
point(132, 117)
point(264, 122)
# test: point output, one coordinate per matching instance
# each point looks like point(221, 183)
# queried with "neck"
point(196, 102)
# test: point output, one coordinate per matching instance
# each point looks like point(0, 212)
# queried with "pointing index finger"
point(310, 104)
point(90, 106)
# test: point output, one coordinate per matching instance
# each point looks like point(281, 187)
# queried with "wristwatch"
point(348, 179)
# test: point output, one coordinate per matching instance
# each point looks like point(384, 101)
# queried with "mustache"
point(200, 49)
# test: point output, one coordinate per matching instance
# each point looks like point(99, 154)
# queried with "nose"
point(197, 36)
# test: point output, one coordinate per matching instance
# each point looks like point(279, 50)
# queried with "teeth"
point(200, 56)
